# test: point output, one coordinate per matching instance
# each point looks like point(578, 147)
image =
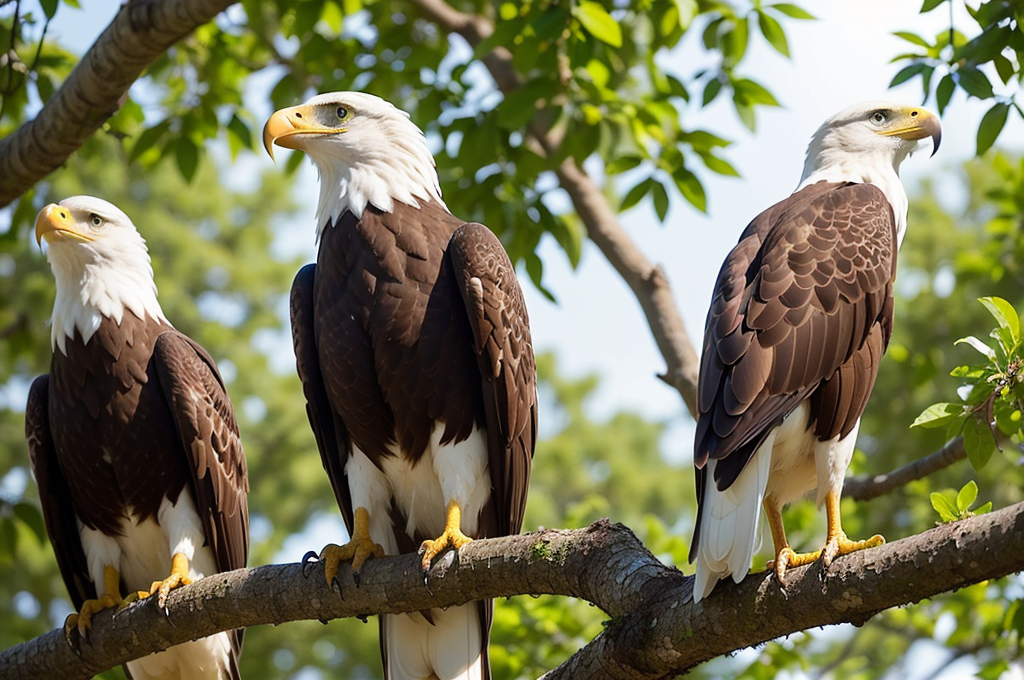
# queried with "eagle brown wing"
point(501, 337)
point(802, 310)
point(331, 436)
point(55, 496)
point(209, 435)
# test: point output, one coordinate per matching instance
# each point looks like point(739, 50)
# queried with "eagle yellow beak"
point(55, 221)
point(286, 124)
point(916, 123)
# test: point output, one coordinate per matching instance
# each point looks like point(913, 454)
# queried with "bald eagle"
point(133, 440)
point(800, 316)
point(413, 347)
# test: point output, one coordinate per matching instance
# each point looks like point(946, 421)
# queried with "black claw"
point(336, 587)
point(363, 618)
point(74, 641)
point(426, 581)
point(308, 561)
point(357, 577)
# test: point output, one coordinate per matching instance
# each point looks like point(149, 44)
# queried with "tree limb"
point(656, 629)
point(866, 488)
point(141, 32)
point(648, 281)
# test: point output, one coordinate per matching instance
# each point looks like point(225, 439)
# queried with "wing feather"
point(501, 336)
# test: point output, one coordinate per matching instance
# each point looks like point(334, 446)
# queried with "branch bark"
point(141, 32)
point(656, 629)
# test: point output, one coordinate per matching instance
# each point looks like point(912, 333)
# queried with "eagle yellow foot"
point(359, 549)
point(786, 558)
point(178, 577)
point(841, 545)
point(451, 537)
point(110, 599)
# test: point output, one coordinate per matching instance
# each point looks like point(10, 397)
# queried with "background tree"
point(548, 119)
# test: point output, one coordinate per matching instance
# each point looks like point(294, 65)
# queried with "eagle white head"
point(867, 142)
point(367, 151)
point(101, 266)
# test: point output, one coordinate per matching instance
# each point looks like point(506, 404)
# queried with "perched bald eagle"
point(800, 317)
point(133, 440)
point(413, 346)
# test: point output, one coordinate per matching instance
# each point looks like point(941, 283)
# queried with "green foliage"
point(986, 66)
point(959, 507)
point(993, 396)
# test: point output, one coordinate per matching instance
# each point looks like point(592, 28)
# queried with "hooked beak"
point(55, 221)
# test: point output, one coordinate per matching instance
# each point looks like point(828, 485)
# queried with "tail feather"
point(445, 644)
point(730, 522)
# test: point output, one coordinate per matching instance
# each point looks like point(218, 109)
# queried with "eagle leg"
point(109, 598)
point(359, 549)
point(452, 536)
point(178, 577)
point(785, 556)
point(837, 543)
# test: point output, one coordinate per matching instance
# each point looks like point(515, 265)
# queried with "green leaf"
point(938, 415)
point(148, 139)
point(1004, 67)
point(753, 93)
point(984, 509)
point(908, 72)
point(943, 506)
point(991, 125)
point(49, 7)
point(912, 38)
point(186, 154)
point(978, 442)
point(929, 5)
point(965, 499)
point(719, 165)
point(791, 11)
point(599, 23)
point(1005, 315)
point(660, 201)
point(30, 515)
point(978, 345)
point(944, 92)
point(734, 42)
point(621, 164)
point(974, 82)
point(634, 195)
point(711, 91)
point(239, 135)
point(691, 188)
point(772, 31)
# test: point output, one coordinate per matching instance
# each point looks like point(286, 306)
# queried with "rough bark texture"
point(655, 630)
point(141, 32)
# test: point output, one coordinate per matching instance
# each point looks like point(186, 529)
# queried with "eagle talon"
point(336, 587)
point(451, 537)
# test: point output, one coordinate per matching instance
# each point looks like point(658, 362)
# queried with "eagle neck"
point(375, 180)
point(881, 170)
point(99, 292)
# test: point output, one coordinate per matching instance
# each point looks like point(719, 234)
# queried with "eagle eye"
point(342, 113)
point(878, 117)
point(96, 220)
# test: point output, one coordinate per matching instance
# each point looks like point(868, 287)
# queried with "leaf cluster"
point(986, 66)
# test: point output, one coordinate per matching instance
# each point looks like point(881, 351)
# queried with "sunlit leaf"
point(912, 38)
point(978, 443)
point(791, 11)
point(966, 497)
point(907, 72)
point(599, 23)
point(1005, 315)
point(929, 5)
point(938, 415)
point(978, 345)
point(944, 92)
point(974, 82)
point(660, 201)
point(944, 506)
point(772, 31)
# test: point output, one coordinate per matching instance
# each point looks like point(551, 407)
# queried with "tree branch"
point(656, 629)
point(141, 32)
point(648, 281)
point(866, 488)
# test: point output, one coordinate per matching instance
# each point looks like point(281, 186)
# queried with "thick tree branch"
point(648, 281)
point(141, 32)
point(656, 629)
point(866, 488)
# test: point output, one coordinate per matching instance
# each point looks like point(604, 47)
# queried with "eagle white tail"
point(450, 648)
point(730, 522)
